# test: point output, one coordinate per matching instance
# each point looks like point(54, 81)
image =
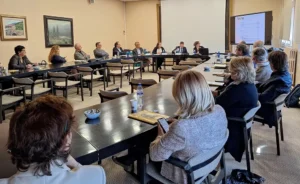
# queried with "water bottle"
point(127, 54)
point(140, 93)
point(219, 54)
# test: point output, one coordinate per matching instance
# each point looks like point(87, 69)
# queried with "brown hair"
point(37, 134)
point(53, 51)
point(196, 43)
point(278, 60)
point(192, 93)
point(244, 48)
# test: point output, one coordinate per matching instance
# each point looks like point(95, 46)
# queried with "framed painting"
point(13, 27)
point(58, 31)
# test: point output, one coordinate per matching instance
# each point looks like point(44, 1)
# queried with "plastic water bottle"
point(219, 54)
point(140, 93)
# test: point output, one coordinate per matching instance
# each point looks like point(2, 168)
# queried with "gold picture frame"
point(13, 27)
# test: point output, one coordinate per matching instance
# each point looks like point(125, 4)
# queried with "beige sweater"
point(187, 138)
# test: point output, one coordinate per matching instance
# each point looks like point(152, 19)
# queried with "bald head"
point(258, 43)
point(78, 47)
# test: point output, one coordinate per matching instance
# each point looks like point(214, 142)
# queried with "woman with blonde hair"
point(201, 126)
point(237, 99)
point(54, 55)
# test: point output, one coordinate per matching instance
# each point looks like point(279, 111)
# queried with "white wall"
point(192, 20)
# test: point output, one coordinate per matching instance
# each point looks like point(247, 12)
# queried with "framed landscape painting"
point(13, 27)
point(58, 31)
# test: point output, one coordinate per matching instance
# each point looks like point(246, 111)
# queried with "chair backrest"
point(144, 82)
point(114, 66)
point(23, 81)
point(189, 63)
point(204, 163)
point(181, 67)
point(111, 95)
point(84, 70)
point(279, 101)
point(165, 74)
point(249, 116)
point(58, 76)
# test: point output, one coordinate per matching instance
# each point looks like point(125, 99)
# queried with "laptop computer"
point(204, 51)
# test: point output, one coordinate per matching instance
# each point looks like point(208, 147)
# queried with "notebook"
point(147, 116)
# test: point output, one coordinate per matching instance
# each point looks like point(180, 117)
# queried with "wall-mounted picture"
point(13, 27)
point(58, 31)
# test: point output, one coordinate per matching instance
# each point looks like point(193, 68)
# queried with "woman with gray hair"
point(237, 99)
point(263, 68)
point(201, 126)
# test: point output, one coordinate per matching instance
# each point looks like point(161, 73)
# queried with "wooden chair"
point(166, 74)
point(246, 122)
point(130, 64)
point(61, 82)
point(32, 89)
point(89, 75)
point(277, 106)
point(8, 101)
point(181, 67)
point(198, 169)
point(189, 63)
point(111, 94)
point(144, 82)
point(117, 69)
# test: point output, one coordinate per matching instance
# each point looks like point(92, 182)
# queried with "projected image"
point(250, 28)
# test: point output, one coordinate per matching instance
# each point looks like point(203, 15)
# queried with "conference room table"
point(113, 132)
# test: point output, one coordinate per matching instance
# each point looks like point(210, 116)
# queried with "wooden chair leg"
point(91, 89)
point(66, 93)
point(114, 79)
point(281, 129)
point(121, 81)
point(2, 116)
point(247, 150)
point(77, 90)
point(81, 86)
point(223, 167)
point(277, 140)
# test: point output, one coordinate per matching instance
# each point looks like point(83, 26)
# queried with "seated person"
point(40, 147)
point(137, 51)
point(243, 42)
point(258, 43)
point(279, 83)
point(242, 50)
point(19, 61)
point(197, 47)
point(54, 56)
point(80, 54)
point(99, 52)
point(180, 49)
point(263, 68)
point(188, 136)
point(158, 49)
point(237, 99)
point(117, 50)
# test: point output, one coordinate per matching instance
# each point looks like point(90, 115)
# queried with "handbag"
point(238, 176)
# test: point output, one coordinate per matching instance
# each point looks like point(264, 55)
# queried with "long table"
point(40, 69)
point(114, 132)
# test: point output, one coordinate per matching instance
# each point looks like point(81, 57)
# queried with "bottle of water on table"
point(140, 93)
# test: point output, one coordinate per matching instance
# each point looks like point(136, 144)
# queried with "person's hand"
point(215, 93)
point(28, 66)
point(171, 120)
point(72, 163)
point(160, 131)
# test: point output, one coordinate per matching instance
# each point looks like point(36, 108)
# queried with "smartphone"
point(164, 124)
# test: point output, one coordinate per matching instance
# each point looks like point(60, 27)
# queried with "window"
point(289, 43)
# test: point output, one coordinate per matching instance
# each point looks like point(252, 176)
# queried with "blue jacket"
point(279, 83)
point(56, 59)
point(237, 100)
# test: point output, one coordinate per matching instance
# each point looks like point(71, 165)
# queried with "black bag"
point(243, 177)
point(292, 100)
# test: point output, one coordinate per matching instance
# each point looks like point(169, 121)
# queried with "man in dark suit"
point(137, 51)
point(180, 49)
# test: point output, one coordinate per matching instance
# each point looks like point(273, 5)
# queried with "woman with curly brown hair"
point(39, 143)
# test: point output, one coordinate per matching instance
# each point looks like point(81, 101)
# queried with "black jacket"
point(197, 51)
point(135, 51)
point(184, 50)
point(15, 63)
point(116, 51)
point(279, 83)
point(237, 100)
point(56, 59)
point(155, 50)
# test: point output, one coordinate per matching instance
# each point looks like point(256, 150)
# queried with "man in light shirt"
point(137, 51)
point(99, 52)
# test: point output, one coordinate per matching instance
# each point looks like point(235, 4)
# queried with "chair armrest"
point(74, 75)
point(13, 89)
point(43, 81)
point(178, 163)
point(235, 119)
point(98, 69)
point(114, 89)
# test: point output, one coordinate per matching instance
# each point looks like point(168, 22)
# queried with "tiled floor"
point(284, 169)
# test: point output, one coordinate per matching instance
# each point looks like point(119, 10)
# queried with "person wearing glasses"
point(19, 60)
